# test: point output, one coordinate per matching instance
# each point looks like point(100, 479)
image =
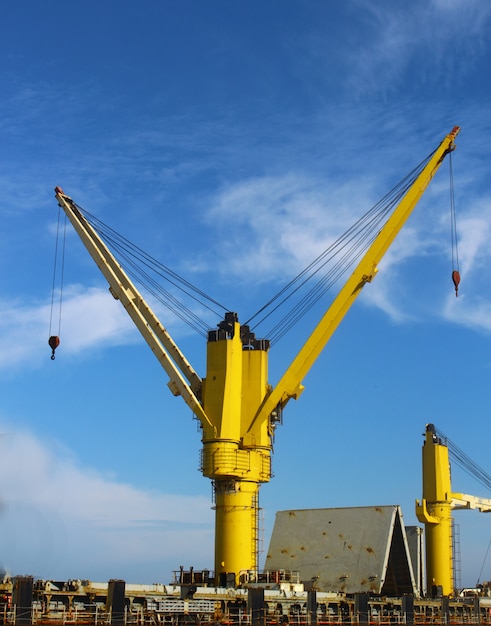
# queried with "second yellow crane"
point(435, 512)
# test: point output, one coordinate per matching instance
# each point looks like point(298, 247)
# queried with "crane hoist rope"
point(326, 270)
point(464, 461)
point(453, 226)
point(342, 255)
point(483, 563)
point(122, 243)
point(54, 340)
point(142, 267)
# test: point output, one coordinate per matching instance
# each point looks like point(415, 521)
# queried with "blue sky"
point(234, 141)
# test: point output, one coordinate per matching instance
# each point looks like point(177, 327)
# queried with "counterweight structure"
point(435, 512)
point(237, 407)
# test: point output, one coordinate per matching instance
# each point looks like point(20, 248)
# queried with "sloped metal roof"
point(359, 549)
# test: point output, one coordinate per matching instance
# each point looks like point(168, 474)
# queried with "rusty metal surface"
point(348, 550)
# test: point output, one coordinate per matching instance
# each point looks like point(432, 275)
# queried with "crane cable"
point(465, 462)
point(54, 340)
point(453, 227)
point(138, 264)
point(483, 563)
point(326, 269)
point(347, 249)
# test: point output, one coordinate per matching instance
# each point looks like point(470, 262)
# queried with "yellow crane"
point(237, 407)
point(435, 512)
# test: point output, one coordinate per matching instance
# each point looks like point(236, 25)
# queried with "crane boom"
point(290, 385)
point(123, 289)
point(466, 501)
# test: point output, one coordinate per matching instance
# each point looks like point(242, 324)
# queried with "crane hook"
point(456, 281)
point(54, 342)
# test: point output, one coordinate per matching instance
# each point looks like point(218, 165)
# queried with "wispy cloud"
point(272, 227)
point(474, 235)
point(418, 33)
point(62, 519)
point(472, 313)
point(268, 229)
point(89, 316)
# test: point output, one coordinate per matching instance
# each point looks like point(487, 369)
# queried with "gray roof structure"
point(351, 550)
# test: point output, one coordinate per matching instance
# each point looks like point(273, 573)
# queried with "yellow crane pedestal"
point(237, 527)
point(435, 512)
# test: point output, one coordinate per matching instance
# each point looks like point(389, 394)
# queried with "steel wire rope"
point(112, 235)
point(453, 221)
point(157, 290)
point(55, 272)
point(128, 250)
point(152, 287)
point(162, 275)
point(316, 293)
point(483, 563)
point(362, 234)
point(356, 226)
point(470, 466)
point(166, 298)
point(313, 264)
point(465, 462)
point(316, 262)
point(313, 296)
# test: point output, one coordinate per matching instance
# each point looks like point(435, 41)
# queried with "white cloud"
point(269, 229)
point(473, 313)
point(89, 317)
point(274, 226)
point(421, 33)
point(474, 234)
point(277, 226)
point(58, 519)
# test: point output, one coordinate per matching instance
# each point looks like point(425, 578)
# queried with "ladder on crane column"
point(457, 565)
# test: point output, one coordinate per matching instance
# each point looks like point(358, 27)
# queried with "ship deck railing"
point(96, 615)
